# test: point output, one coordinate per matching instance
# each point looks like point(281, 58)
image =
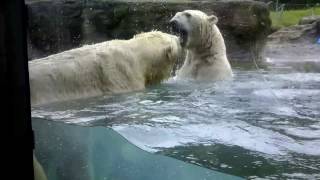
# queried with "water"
point(262, 124)
point(88, 153)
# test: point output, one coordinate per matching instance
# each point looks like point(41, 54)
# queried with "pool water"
point(265, 123)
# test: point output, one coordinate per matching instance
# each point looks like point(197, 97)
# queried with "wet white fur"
point(115, 66)
point(206, 58)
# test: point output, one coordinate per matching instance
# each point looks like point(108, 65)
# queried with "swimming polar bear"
point(109, 67)
point(206, 58)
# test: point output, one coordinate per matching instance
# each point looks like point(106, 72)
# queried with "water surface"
point(264, 123)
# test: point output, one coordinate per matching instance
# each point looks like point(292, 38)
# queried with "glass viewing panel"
point(264, 122)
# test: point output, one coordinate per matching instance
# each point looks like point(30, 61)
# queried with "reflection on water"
point(261, 124)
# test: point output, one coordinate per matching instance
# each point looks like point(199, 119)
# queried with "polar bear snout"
point(179, 30)
point(174, 25)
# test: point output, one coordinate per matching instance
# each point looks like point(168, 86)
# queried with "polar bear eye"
point(188, 15)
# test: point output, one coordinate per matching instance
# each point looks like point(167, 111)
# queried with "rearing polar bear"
point(206, 58)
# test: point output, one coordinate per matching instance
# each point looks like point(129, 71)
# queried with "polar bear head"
point(159, 53)
point(192, 26)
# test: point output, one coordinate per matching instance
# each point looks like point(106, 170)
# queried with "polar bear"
point(206, 58)
point(39, 173)
point(109, 67)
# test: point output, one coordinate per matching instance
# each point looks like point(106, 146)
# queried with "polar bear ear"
point(213, 19)
point(168, 52)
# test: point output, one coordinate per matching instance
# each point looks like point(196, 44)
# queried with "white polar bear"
point(206, 58)
point(109, 67)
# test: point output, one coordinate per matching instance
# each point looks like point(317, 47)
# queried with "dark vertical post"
point(15, 116)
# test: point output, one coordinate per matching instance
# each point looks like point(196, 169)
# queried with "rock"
point(56, 26)
point(296, 44)
point(307, 30)
point(309, 20)
point(53, 27)
point(294, 33)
